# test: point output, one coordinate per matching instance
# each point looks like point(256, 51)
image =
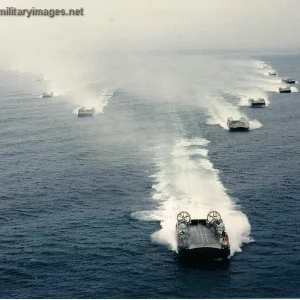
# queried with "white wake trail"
point(187, 181)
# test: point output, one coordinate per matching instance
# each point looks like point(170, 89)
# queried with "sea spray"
point(254, 124)
point(294, 89)
point(91, 100)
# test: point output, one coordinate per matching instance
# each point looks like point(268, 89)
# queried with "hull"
point(285, 92)
point(289, 81)
point(258, 104)
point(82, 115)
point(239, 129)
point(204, 254)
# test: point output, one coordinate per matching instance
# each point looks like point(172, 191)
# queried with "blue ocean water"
point(70, 189)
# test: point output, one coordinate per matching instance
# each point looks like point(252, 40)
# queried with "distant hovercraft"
point(238, 125)
point(84, 112)
point(289, 80)
point(47, 95)
point(260, 102)
point(286, 89)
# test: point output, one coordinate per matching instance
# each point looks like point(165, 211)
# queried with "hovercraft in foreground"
point(202, 239)
point(83, 112)
point(260, 102)
point(238, 125)
point(47, 95)
point(289, 80)
point(286, 89)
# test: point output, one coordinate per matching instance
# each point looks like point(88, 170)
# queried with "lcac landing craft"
point(202, 239)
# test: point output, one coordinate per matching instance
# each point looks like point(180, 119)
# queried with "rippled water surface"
point(88, 204)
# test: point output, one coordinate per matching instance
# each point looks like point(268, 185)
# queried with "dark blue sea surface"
point(69, 188)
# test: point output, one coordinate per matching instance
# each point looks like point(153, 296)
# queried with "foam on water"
point(254, 124)
point(294, 89)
